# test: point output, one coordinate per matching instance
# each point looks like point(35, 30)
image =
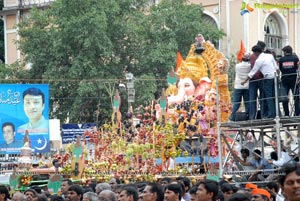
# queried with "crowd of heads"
point(168, 189)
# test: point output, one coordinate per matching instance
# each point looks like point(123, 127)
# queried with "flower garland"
point(25, 180)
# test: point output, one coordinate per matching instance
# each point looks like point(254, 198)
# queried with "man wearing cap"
point(260, 194)
point(241, 91)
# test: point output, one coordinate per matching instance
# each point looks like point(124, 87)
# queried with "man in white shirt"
point(169, 164)
point(266, 64)
point(284, 158)
point(241, 91)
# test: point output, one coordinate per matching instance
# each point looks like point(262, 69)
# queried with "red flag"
point(241, 52)
point(179, 61)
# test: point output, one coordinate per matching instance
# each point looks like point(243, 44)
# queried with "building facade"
point(272, 21)
point(11, 14)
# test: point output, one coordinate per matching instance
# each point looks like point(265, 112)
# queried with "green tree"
point(145, 88)
point(173, 26)
point(84, 48)
point(80, 47)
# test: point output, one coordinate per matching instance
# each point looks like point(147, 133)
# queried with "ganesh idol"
point(193, 75)
point(193, 82)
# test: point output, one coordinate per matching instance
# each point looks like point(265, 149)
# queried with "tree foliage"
point(84, 48)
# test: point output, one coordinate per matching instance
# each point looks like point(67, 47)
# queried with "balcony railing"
point(13, 4)
point(35, 2)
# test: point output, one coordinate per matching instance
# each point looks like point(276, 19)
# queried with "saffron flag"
point(179, 61)
point(241, 52)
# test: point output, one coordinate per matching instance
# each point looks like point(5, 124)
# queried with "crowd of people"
point(254, 80)
point(285, 187)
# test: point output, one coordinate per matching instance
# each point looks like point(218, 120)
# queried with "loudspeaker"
point(241, 116)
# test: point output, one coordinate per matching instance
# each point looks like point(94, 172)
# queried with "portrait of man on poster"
point(34, 104)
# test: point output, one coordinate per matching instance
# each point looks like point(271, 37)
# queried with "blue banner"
point(70, 131)
point(24, 107)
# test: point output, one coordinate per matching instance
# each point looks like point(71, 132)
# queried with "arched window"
point(273, 36)
point(153, 2)
point(210, 22)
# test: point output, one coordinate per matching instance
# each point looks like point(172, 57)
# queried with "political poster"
point(71, 131)
point(24, 108)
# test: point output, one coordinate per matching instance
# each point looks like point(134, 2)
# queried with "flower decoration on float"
point(25, 180)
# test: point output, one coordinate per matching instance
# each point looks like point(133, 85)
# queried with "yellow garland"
point(25, 180)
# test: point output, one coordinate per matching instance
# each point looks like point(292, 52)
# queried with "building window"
point(153, 2)
point(210, 22)
point(273, 36)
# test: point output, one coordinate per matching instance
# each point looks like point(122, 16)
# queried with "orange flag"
point(179, 61)
point(241, 52)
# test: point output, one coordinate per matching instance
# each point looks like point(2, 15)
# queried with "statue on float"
point(77, 158)
point(203, 59)
point(192, 98)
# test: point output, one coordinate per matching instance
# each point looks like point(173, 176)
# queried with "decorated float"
point(186, 116)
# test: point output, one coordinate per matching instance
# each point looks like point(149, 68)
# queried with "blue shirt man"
point(259, 163)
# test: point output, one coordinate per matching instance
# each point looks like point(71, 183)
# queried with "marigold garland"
point(25, 180)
